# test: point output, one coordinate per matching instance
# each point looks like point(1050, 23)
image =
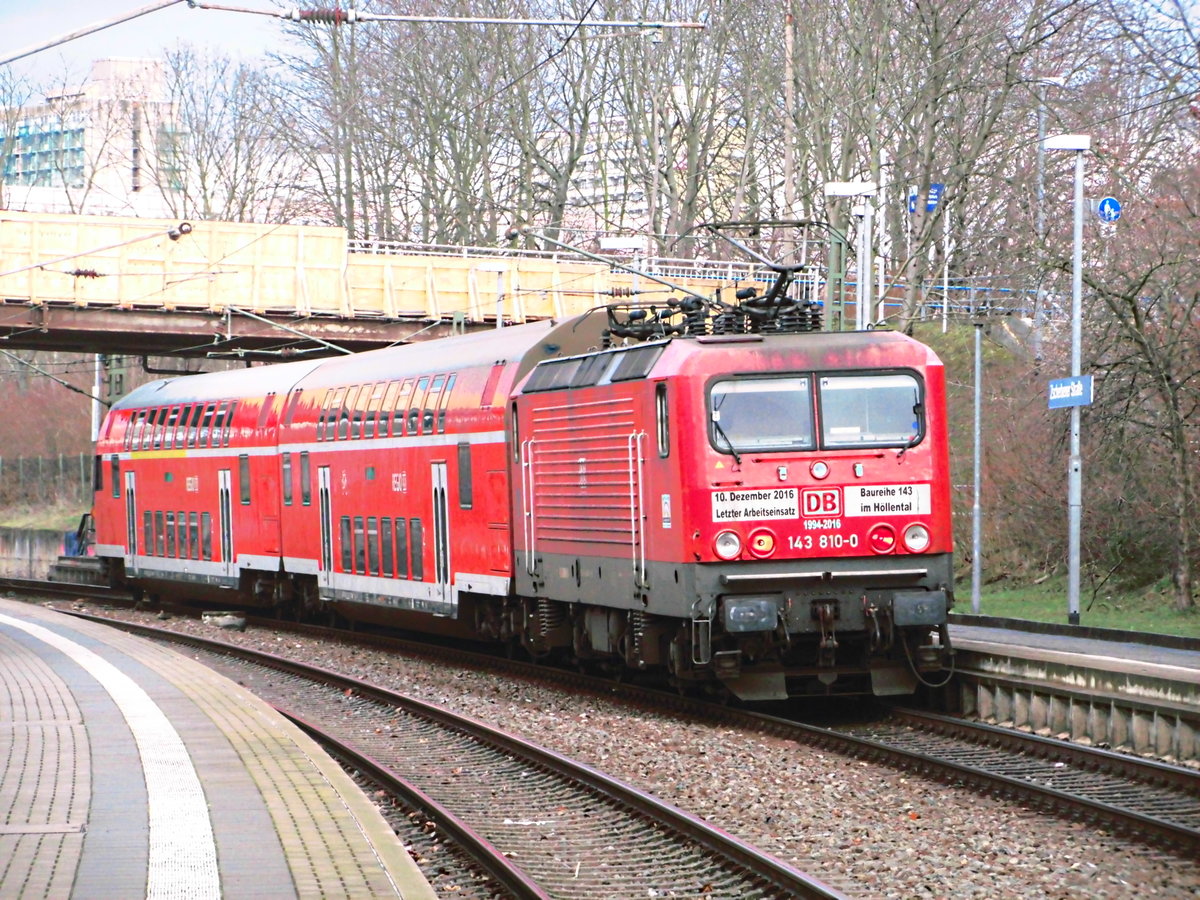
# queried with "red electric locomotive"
point(722, 498)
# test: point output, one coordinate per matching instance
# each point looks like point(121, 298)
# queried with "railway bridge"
point(111, 285)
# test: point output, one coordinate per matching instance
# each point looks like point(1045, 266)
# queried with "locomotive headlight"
point(916, 538)
point(727, 545)
point(762, 543)
point(882, 539)
point(750, 613)
point(819, 470)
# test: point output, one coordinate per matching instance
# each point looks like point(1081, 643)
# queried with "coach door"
point(225, 508)
point(131, 522)
point(441, 537)
point(326, 512)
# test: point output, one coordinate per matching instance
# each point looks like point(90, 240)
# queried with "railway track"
point(1144, 800)
point(538, 822)
point(1151, 800)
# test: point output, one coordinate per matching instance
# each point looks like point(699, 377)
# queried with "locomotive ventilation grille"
point(585, 473)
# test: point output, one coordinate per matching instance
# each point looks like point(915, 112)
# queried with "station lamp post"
point(863, 295)
point(1079, 144)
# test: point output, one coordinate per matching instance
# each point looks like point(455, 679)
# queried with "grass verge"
point(1147, 610)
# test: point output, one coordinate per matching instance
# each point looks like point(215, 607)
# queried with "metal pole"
point(1075, 466)
point(868, 261)
point(500, 299)
point(976, 508)
point(945, 267)
point(1039, 300)
point(97, 393)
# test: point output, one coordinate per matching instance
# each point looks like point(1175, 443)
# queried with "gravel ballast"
point(870, 830)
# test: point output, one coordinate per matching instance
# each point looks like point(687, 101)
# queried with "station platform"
point(129, 770)
point(1160, 656)
point(1130, 692)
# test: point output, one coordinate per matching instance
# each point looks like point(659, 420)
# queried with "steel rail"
point(479, 848)
point(760, 866)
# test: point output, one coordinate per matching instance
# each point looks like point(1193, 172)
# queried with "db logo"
point(823, 502)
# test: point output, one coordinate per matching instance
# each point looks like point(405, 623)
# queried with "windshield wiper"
point(728, 443)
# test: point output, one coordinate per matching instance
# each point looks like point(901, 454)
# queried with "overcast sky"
point(30, 23)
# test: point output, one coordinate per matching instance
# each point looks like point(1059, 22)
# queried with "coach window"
point(401, 407)
point(356, 401)
point(342, 427)
point(445, 402)
point(401, 549)
point(386, 553)
point(465, 485)
point(372, 425)
point(305, 479)
point(146, 433)
point(372, 545)
point(333, 402)
point(488, 395)
point(414, 409)
point(206, 424)
point(218, 424)
point(290, 404)
point(206, 535)
point(194, 425)
point(432, 401)
point(148, 528)
point(180, 439)
point(285, 465)
point(193, 536)
point(347, 544)
point(168, 438)
point(418, 549)
point(170, 533)
point(227, 431)
point(166, 428)
point(244, 478)
point(385, 412)
point(264, 411)
point(160, 542)
point(114, 472)
point(660, 410)
point(181, 524)
point(360, 554)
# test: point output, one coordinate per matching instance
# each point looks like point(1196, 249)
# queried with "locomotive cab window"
point(870, 410)
point(761, 414)
point(663, 425)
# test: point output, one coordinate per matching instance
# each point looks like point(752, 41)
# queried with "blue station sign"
point(1073, 391)
point(932, 199)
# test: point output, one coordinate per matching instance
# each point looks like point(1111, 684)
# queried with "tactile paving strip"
point(45, 770)
point(183, 855)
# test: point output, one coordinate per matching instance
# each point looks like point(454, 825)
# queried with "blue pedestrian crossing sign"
point(1109, 209)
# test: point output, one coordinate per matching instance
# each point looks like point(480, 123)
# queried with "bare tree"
point(15, 93)
point(217, 154)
